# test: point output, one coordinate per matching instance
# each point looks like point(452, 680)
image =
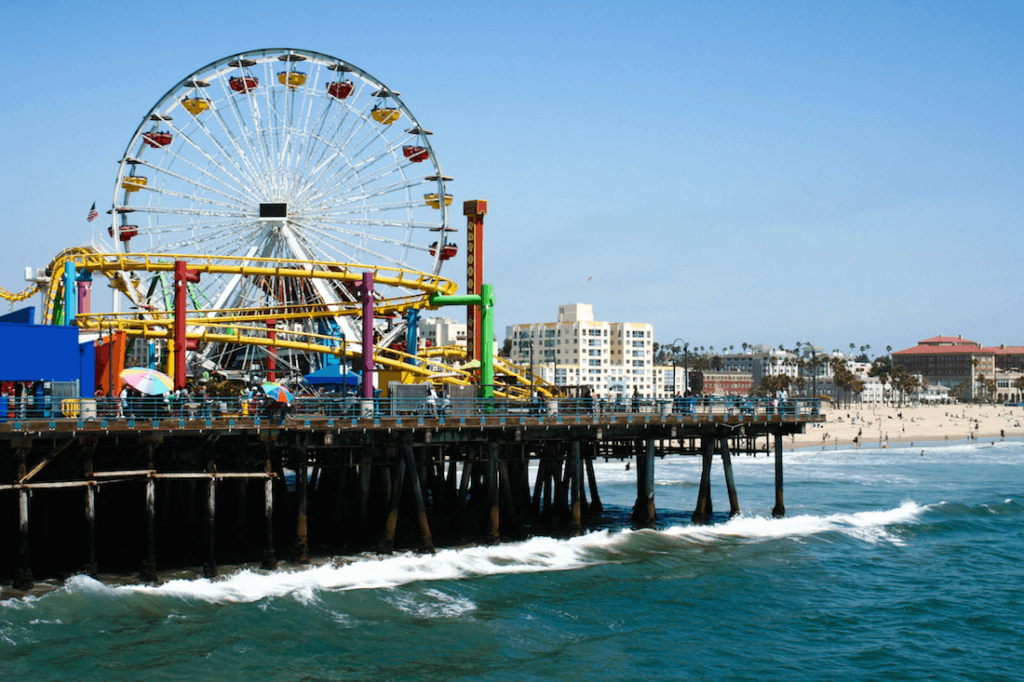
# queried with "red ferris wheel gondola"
point(447, 252)
point(340, 89)
point(243, 84)
point(415, 154)
point(157, 139)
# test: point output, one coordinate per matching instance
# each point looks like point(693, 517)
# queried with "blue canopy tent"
point(332, 374)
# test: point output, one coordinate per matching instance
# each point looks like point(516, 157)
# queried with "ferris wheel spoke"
point(175, 156)
point(201, 235)
point(246, 173)
point(310, 97)
point(191, 197)
point(352, 177)
point(359, 187)
point(246, 155)
point(322, 128)
point(257, 153)
point(240, 185)
point(321, 226)
point(195, 183)
point(328, 238)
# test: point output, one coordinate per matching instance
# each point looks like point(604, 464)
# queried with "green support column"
point(486, 302)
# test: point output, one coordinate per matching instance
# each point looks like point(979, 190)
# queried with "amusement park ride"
point(284, 209)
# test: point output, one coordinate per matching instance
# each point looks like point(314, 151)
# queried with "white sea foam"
point(869, 526)
point(369, 572)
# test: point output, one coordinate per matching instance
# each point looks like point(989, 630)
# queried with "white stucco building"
point(612, 358)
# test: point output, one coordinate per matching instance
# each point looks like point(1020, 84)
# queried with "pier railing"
point(17, 412)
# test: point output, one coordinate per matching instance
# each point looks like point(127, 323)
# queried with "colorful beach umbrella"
point(147, 381)
point(277, 392)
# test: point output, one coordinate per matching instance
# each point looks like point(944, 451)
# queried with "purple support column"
point(85, 296)
point(366, 289)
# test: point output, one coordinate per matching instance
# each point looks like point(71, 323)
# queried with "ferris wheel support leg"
point(366, 289)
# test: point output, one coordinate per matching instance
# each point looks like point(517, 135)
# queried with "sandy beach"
point(877, 426)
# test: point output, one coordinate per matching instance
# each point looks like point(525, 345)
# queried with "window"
point(594, 363)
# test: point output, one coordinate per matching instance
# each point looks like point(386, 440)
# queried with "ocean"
point(891, 564)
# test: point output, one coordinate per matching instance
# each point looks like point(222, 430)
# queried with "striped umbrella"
point(147, 381)
point(277, 392)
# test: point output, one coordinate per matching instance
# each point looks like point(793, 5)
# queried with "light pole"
point(814, 368)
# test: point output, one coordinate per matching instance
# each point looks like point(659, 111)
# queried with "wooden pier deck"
point(124, 494)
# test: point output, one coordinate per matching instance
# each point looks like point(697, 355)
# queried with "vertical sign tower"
point(474, 211)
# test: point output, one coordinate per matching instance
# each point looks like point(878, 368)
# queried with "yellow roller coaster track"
point(228, 326)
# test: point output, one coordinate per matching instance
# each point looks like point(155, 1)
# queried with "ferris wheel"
point(281, 154)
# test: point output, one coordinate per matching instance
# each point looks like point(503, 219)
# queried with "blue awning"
point(332, 374)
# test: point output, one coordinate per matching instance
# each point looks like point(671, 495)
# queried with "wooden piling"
point(269, 560)
point(730, 483)
point(426, 541)
point(702, 512)
point(147, 572)
point(210, 565)
point(387, 542)
point(23, 577)
point(595, 499)
point(780, 509)
point(301, 519)
point(90, 567)
point(576, 490)
point(493, 535)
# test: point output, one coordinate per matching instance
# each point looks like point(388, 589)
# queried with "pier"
point(156, 491)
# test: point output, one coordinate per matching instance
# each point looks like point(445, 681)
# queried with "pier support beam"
point(644, 513)
point(147, 572)
point(702, 513)
point(269, 559)
point(730, 483)
point(426, 541)
point(90, 567)
point(210, 565)
point(387, 542)
point(575, 491)
point(493, 534)
point(780, 509)
point(23, 577)
point(595, 499)
point(301, 519)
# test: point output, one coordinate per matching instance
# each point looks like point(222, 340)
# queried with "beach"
point(875, 425)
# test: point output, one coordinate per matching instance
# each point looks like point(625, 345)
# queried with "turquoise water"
point(889, 565)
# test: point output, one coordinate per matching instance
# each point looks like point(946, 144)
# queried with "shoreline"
point(881, 427)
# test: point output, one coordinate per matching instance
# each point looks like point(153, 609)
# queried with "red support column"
point(474, 211)
point(182, 277)
point(272, 351)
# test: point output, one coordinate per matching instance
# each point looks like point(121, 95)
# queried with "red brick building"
point(1008, 358)
point(728, 383)
point(947, 360)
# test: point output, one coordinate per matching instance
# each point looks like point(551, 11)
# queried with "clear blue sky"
point(728, 171)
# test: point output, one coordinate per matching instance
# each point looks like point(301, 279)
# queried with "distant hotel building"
point(612, 358)
point(441, 331)
point(948, 361)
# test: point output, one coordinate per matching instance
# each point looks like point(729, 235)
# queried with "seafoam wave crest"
point(368, 572)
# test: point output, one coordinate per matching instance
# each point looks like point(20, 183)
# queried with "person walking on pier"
point(432, 402)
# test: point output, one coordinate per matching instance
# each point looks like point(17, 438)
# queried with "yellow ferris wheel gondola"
point(292, 79)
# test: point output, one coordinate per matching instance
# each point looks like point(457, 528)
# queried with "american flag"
point(92, 213)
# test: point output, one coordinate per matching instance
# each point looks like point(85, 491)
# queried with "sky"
point(731, 172)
